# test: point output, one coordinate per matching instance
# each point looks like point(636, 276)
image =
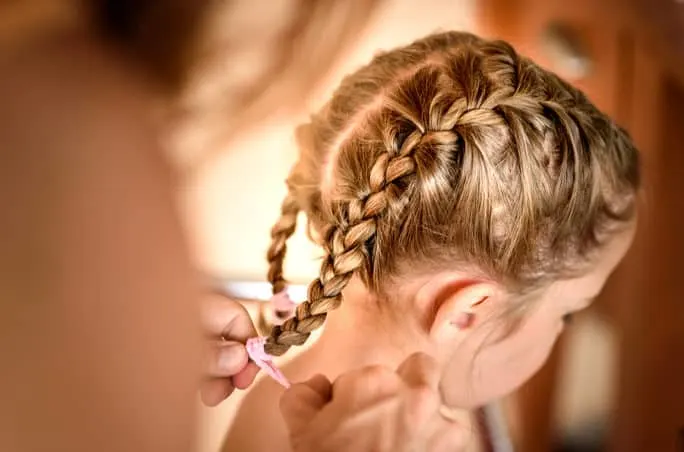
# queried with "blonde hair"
point(452, 150)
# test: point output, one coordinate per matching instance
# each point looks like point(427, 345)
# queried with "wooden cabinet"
point(532, 25)
point(629, 59)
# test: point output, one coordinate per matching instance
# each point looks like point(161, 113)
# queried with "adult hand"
point(227, 326)
point(372, 409)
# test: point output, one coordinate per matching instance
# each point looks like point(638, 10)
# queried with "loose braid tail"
point(280, 233)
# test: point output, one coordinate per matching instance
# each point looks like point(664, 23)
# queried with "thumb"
point(420, 370)
point(303, 401)
point(449, 436)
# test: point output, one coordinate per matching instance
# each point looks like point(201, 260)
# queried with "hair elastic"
point(256, 352)
point(282, 307)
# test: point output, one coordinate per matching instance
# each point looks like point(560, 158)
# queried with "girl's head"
point(459, 181)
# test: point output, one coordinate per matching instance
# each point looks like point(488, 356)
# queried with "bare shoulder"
point(258, 425)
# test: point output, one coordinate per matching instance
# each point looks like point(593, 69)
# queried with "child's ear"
point(459, 309)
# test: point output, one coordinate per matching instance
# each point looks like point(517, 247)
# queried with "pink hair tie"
point(256, 352)
point(282, 306)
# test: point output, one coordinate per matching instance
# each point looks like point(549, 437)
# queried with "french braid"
point(452, 149)
point(346, 247)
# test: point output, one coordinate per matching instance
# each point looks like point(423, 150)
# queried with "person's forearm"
point(98, 305)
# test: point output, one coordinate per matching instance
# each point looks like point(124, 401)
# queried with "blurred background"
point(616, 380)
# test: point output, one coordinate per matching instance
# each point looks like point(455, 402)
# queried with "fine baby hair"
point(452, 151)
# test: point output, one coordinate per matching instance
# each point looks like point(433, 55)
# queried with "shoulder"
point(258, 425)
point(61, 85)
point(28, 20)
point(79, 146)
point(92, 256)
point(84, 186)
point(74, 121)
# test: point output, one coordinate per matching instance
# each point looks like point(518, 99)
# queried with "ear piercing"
point(466, 318)
point(463, 320)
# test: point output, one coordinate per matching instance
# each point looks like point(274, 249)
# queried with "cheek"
point(498, 368)
point(508, 364)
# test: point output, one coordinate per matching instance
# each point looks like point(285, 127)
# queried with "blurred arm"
point(98, 331)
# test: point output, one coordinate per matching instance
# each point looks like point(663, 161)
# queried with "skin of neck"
point(365, 331)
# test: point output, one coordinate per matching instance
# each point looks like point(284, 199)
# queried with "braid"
point(345, 246)
point(281, 231)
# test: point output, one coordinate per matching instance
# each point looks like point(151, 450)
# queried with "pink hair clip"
point(256, 352)
point(282, 307)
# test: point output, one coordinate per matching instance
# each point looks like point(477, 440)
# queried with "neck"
point(360, 334)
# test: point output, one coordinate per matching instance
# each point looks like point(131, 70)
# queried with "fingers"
point(420, 370)
point(215, 390)
point(244, 378)
point(228, 369)
point(223, 317)
point(448, 437)
point(373, 407)
point(226, 359)
point(303, 401)
point(360, 388)
point(321, 385)
point(227, 363)
point(420, 374)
